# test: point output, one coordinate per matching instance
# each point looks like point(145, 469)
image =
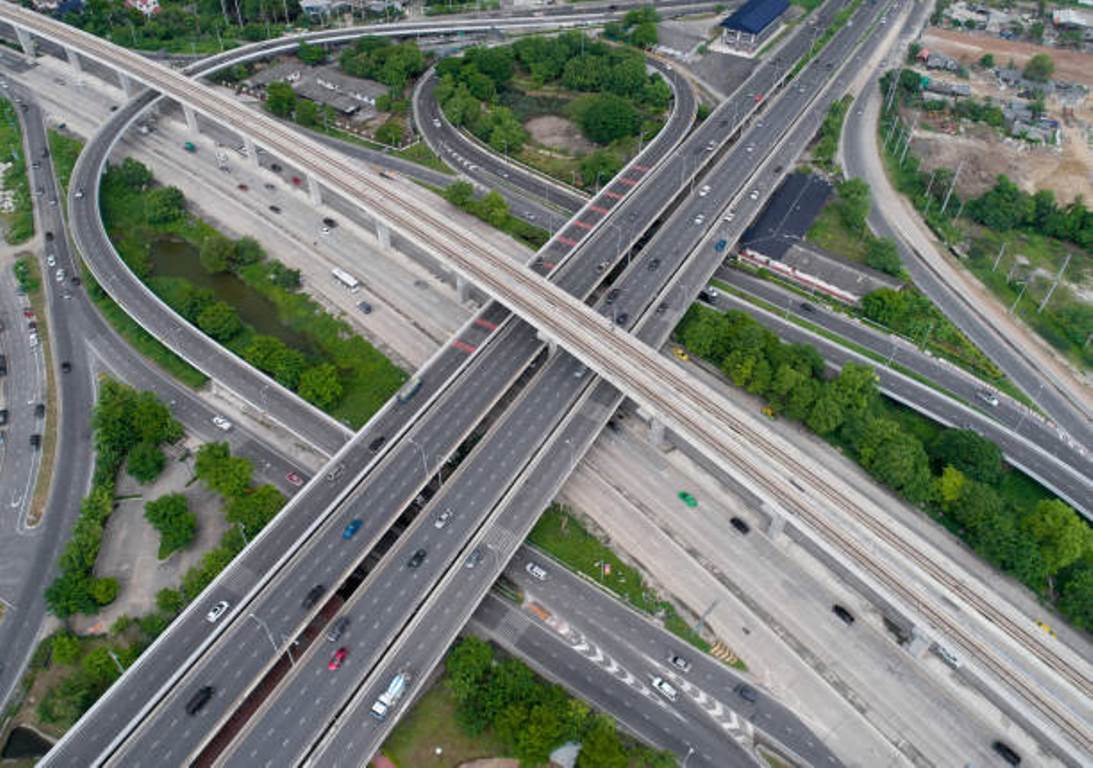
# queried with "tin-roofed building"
point(752, 22)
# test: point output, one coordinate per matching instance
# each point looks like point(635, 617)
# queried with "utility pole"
point(1054, 285)
point(891, 92)
point(930, 187)
point(907, 141)
point(952, 185)
point(702, 618)
point(1024, 285)
point(998, 258)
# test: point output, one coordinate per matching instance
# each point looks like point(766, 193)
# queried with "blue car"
point(719, 246)
point(351, 529)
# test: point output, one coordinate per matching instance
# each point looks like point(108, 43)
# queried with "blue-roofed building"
point(752, 22)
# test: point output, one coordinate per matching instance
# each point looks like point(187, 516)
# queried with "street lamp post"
point(424, 461)
point(690, 751)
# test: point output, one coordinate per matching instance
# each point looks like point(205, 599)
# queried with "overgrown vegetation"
point(65, 150)
point(637, 28)
point(123, 421)
point(20, 222)
point(559, 533)
point(956, 476)
point(529, 717)
point(1041, 234)
point(827, 138)
point(492, 209)
point(342, 373)
point(26, 276)
point(604, 89)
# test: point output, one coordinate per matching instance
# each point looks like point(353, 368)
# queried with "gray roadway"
point(466, 493)
point(79, 335)
point(1019, 368)
point(1048, 458)
point(119, 707)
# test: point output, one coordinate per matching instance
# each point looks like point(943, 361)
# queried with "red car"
point(758, 98)
point(337, 659)
point(294, 479)
point(297, 180)
point(243, 187)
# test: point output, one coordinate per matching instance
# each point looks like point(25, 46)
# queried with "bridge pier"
point(919, 643)
point(26, 41)
point(552, 345)
point(658, 434)
point(314, 191)
point(191, 119)
point(383, 234)
point(252, 150)
point(74, 59)
point(462, 289)
point(776, 527)
point(127, 85)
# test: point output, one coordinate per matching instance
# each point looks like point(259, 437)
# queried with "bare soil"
point(558, 134)
point(968, 48)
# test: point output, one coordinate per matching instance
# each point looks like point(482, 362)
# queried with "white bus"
point(346, 279)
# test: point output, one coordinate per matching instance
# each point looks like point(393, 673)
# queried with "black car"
point(739, 525)
point(662, 307)
point(337, 629)
point(1006, 752)
point(199, 699)
point(3, 417)
point(806, 307)
point(417, 559)
point(275, 167)
point(329, 222)
point(76, 280)
point(66, 367)
point(621, 318)
point(35, 441)
point(842, 613)
point(612, 295)
point(275, 209)
point(654, 265)
point(40, 410)
point(747, 693)
point(49, 237)
point(313, 595)
point(376, 444)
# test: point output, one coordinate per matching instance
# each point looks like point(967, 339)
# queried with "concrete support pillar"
point(74, 59)
point(191, 118)
point(252, 150)
point(658, 435)
point(314, 191)
point(919, 643)
point(25, 41)
point(462, 289)
point(383, 234)
point(552, 345)
point(776, 528)
point(128, 87)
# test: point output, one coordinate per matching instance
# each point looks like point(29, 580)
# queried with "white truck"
point(346, 279)
point(390, 698)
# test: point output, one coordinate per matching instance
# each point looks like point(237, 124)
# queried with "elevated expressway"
point(633, 366)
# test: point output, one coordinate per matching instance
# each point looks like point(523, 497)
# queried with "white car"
point(754, 194)
point(705, 190)
point(217, 611)
point(324, 230)
point(60, 274)
point(79, 193)
point(443, 518)
point(221, 423)
point(712, 292)
point(51, 260)
point(988, 397)
point(700, 218)
point(436, 122)
point(665, 688)
point(536, 571)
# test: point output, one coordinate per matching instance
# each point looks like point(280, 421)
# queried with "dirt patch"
point(491, 762)
point(558, 134)
point(1072, 66)
point(1065, 170)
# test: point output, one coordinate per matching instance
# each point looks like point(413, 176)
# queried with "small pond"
point(23, 742)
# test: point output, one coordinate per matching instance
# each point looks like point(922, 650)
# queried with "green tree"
point(601, 746)
point(644, 35)
point(896, 458)
point(468, 666)
point(1076, 595)
point(882, 254)
point(987, 61)
point(146, 461)
point(253, 510)
point(390, 133)
point(228, 475)
point(216, 253)
point(1040, 67)
point(280, 99)
point(133, 174)
point(320, 385)
point(103, 590)
point(307, 112)
point(460, 194)
point(975, 456)
point(220, 321)
point(171, 516)
point(1060, 534)
point(950, 486)
point(311, 54)
point(506, 135)
point(65, 648)
point(100, 667)
point(164, 205)
point(855, 388)
point(600, 166)
point(605, 117)
point(826, 414)
point(493, 208)
point(853, 203)
point(170, 601)
point(247, 251)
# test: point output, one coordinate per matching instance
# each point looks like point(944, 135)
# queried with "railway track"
point(692, 408)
